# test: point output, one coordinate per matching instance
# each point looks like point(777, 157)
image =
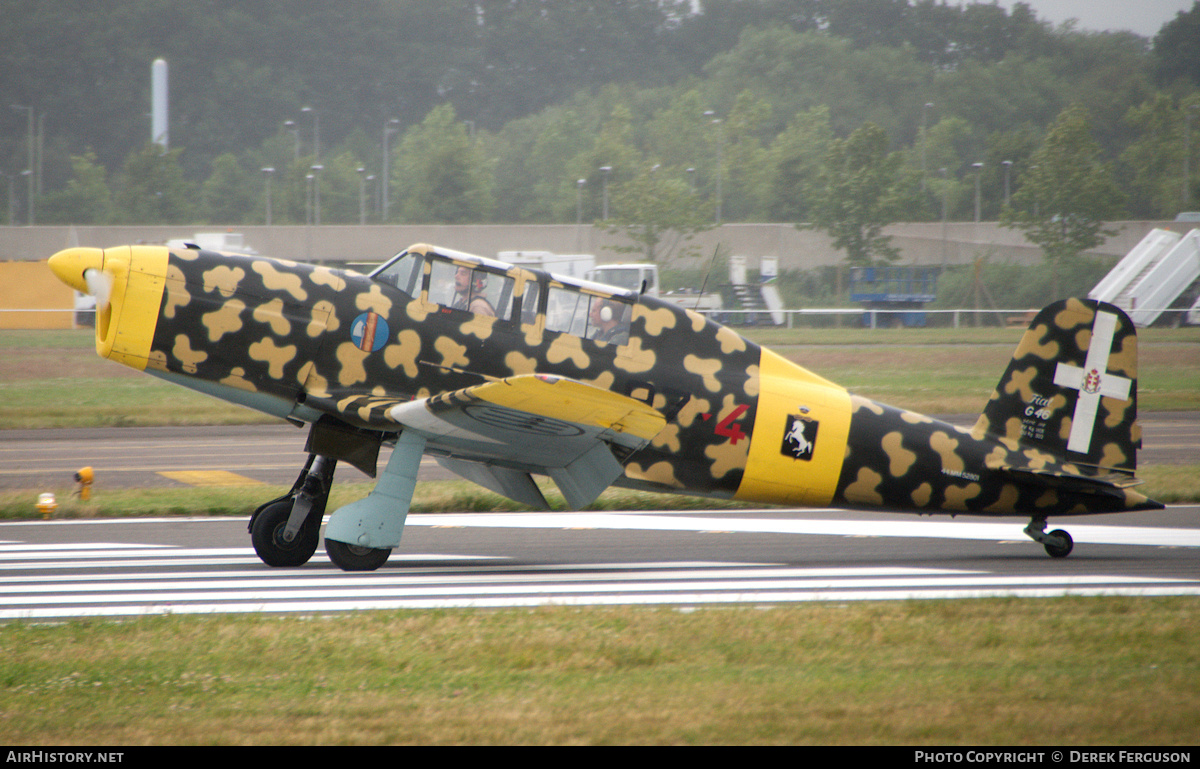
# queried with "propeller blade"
point(99, 285)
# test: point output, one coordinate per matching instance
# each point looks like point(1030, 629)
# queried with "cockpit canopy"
point(464, 283)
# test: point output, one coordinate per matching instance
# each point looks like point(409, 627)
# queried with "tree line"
point(654, 116)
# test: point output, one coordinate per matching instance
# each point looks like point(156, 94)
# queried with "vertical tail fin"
point(1071, 387)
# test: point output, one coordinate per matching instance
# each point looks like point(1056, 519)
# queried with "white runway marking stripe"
point(747, 522)
point(256, 591)
point(939, 529)
point(43, 591)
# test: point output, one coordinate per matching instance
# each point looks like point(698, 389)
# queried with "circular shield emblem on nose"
point(369, 332)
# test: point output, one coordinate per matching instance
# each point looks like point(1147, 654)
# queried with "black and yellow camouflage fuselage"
point(306, 343)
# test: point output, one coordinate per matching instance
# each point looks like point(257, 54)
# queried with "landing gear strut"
point(286, 531)
point(1058, 543)
point(361, 535)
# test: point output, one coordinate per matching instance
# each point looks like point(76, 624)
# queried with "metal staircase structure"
point(1160, 272)
point(747, 297)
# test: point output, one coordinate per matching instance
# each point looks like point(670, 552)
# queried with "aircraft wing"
point(499, 432)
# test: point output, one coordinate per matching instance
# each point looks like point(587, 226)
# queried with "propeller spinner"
point(72, 265)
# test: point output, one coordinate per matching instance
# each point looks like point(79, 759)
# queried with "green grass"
point(113, 402)
point(1065, 671)
point(430, 497)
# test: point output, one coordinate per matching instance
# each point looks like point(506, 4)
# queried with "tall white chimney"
point(158, 104)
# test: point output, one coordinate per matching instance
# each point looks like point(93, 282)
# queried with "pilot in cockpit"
point(469, 286)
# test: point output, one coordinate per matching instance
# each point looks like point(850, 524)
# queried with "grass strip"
point(1056, 671)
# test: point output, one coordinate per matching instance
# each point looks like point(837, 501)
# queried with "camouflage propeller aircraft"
point(502, 373)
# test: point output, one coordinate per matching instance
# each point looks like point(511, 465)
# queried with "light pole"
point(390, 127)
point(41, 143)
point(268, 171)
point(716, 121)
point(12, 200)
point(579, 185)
point(924, 118)
point(28, 174)
point(978, 173)
point(362, 196)
point(317, 168)
point(945, 206)
point(1188, 114)
point(29, 133)
point(1007, 173)
point(308, 186)
point(606, 170)
point(290, 125)
point(316, 131)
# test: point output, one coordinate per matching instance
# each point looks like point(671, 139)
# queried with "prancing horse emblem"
point(800, 437)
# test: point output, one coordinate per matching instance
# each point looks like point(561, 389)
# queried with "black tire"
point(1060, 551)
point(266, 534)
point(354, 557)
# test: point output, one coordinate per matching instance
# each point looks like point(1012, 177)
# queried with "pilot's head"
point(462, 280)
point(603, 313)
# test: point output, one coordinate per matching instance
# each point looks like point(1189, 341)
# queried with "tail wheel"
point(266, 534)
point(1059, 544)
point(354, 557)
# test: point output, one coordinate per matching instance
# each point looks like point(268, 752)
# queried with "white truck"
point(231, 242)
point(643, 277)
point(570, 265)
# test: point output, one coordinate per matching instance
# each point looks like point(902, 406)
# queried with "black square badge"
point(800, 437)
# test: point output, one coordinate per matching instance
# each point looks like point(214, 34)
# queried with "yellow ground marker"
point(210, 478)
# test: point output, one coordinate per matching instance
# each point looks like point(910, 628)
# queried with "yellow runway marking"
point(209, 478)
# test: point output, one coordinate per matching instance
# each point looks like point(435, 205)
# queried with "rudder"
point(1071, 387)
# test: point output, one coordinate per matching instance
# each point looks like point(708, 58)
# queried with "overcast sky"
point(1145, 17)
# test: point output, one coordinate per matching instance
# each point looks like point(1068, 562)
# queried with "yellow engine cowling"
point(125, 323)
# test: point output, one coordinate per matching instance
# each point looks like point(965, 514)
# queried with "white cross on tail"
point(1092, 381)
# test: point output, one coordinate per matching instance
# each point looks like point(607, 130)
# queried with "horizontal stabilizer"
point(1109, 483)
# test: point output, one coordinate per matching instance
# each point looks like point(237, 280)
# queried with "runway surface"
point(58, 569)
point(62, 569)
point(152, 457)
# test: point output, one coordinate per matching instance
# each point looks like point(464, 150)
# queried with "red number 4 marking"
point(727, 427)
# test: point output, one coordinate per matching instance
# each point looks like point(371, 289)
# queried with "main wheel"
point(355, 557)
point(267, 536)
point(1063, 550)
